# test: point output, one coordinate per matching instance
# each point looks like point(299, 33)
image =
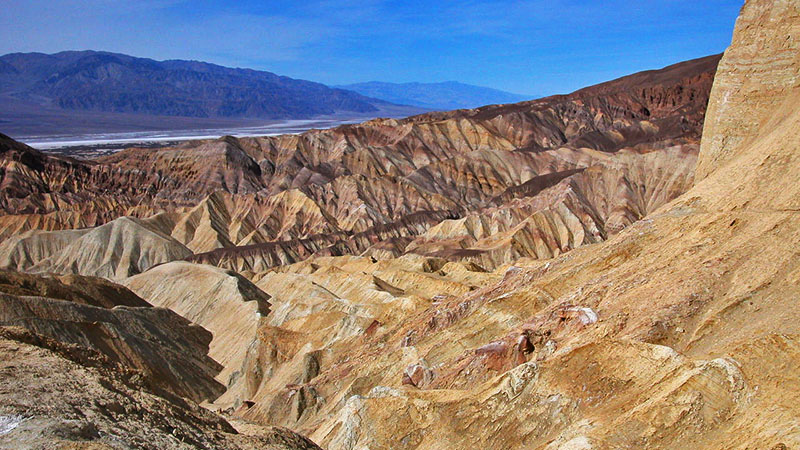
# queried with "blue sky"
point(527, 46)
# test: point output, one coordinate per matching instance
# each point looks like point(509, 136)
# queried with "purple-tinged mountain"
point(116, 83)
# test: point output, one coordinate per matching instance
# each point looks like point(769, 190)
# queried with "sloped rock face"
point(87, 362)
point(223, 302)
point(107, 318)
point(57, 395)
point(555, 213)
point(758, 73)
point(89, 291)
point(116, 250)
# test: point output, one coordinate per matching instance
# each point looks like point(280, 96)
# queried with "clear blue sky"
point(526, 46)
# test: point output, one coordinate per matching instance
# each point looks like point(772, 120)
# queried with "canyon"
point(613, 268)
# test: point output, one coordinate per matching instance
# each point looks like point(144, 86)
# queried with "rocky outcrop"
point(116, 250)
point(95, 314)
point(758, 73)
point(223, 302)
point(89, 291)
point(61, 395)
point(557, 212)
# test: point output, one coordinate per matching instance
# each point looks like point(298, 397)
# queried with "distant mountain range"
point(85, 92)
point(440, 96)
point(110, 82)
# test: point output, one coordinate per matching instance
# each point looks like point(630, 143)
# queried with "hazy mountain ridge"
point(111, 82)
point(445, 95)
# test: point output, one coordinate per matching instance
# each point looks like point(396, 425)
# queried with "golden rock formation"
point(116, 250)
point(222, 302)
